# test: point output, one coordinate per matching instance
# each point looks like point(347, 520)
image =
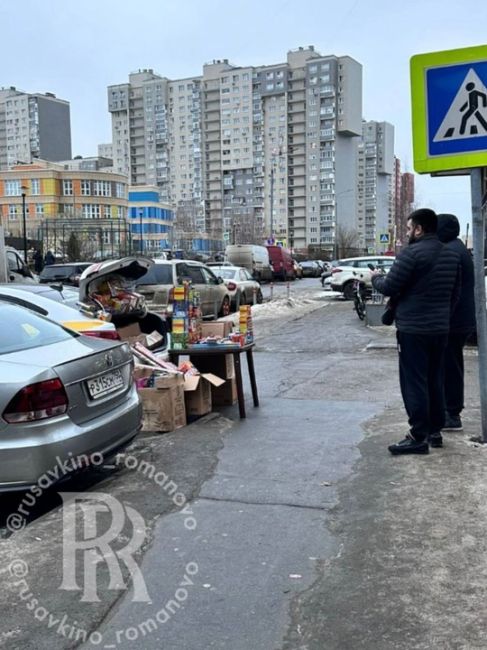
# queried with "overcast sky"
point(76, 49)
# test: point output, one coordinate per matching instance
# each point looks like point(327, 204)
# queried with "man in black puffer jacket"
point(462, 323)
point(424, 281)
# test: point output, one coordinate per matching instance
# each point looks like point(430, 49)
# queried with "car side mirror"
point(219, 280)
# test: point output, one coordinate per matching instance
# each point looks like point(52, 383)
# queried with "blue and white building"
point(151, 221)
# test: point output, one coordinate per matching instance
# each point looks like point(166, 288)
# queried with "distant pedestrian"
point(49, 259)
point(462, 323)
point(38, 261)
point(424, 281)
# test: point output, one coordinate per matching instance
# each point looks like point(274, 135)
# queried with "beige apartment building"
point(250, 153)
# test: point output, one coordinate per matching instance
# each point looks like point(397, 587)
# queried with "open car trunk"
point(107, 290)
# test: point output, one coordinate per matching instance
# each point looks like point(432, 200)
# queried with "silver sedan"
point(63, 398)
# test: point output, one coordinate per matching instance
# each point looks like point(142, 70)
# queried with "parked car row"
point(341, 275)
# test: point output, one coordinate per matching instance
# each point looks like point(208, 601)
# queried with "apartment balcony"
point(295, 96)
point(327, 111)
point(212, 117)
point(327, 134)
point(328, 91)
point(296, 107)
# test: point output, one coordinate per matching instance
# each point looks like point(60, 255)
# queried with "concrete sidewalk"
point(411, 571)
point(309, 535)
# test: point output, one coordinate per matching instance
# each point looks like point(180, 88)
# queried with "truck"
point(253, 258)
point(282, 263)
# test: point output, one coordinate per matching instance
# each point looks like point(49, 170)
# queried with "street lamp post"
point(141, 242)
point(24, 225)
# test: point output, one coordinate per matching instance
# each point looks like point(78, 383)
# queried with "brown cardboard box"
point(226, 394)
point(129, 331)
point(132, 334)
point(197, 392)
point(220, 364)
point(163, 405)
point(219, 328)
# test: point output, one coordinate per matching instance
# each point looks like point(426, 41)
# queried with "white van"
point(17, 270)
point(253, 258)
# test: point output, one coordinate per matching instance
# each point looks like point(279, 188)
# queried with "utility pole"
point(24, 225)
point(477, 175)
point(272, 201)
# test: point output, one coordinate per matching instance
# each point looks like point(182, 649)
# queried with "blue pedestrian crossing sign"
point(449, 107)
point(384, 238)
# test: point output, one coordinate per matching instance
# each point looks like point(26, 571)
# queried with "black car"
point(68, 273)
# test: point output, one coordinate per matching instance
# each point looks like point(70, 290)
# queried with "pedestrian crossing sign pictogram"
point(449, 108)
point(384, 238)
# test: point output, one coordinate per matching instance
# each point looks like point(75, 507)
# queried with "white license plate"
point(107, 383)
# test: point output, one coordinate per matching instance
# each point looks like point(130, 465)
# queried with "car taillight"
point(231, 286)
point(336, 270)
point(45, 399)
point(113, 335)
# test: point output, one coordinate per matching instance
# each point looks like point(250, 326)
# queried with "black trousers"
point(454, 393)
point(421, 375)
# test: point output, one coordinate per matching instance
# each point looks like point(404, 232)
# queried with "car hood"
point(131, 268)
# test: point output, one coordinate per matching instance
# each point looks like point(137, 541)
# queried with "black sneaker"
point(409, 446)
point(453, 423)
point(435, 439)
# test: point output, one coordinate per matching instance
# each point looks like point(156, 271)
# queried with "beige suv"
point(157, 284)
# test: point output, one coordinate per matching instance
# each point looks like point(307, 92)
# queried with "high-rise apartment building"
point(403, 202)
point(248, 153)
point(33, 126)
point(375, 216)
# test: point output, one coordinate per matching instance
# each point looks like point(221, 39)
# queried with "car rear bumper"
point(40, 449)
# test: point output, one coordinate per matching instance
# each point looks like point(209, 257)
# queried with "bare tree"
point(348, 242)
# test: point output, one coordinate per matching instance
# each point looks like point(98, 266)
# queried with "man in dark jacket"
point(462, 323)
point(423, 281)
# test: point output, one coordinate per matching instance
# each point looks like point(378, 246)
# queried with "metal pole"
point(478, 233)
point(24, 226)
point(272, 203)
point(141, 243)
point(466, 237)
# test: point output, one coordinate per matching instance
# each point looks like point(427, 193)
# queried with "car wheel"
point(348, 291)
point(225, 309)
point(259, 297)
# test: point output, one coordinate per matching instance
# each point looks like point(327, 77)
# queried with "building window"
point(39, 209)
point(90, 211)
point(12, 188)
point(120, 190)
point(101, 188)
point(35, 186)
point(12, 212)
point(107, 212)
point(85, 188)
point(68, 188)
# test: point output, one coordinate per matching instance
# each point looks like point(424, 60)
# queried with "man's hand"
point(375, 273)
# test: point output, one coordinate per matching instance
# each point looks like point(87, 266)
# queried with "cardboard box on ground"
point(174, 395)
point(223, 366)
point(163, 405)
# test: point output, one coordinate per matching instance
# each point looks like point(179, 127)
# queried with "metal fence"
point(86, 239)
